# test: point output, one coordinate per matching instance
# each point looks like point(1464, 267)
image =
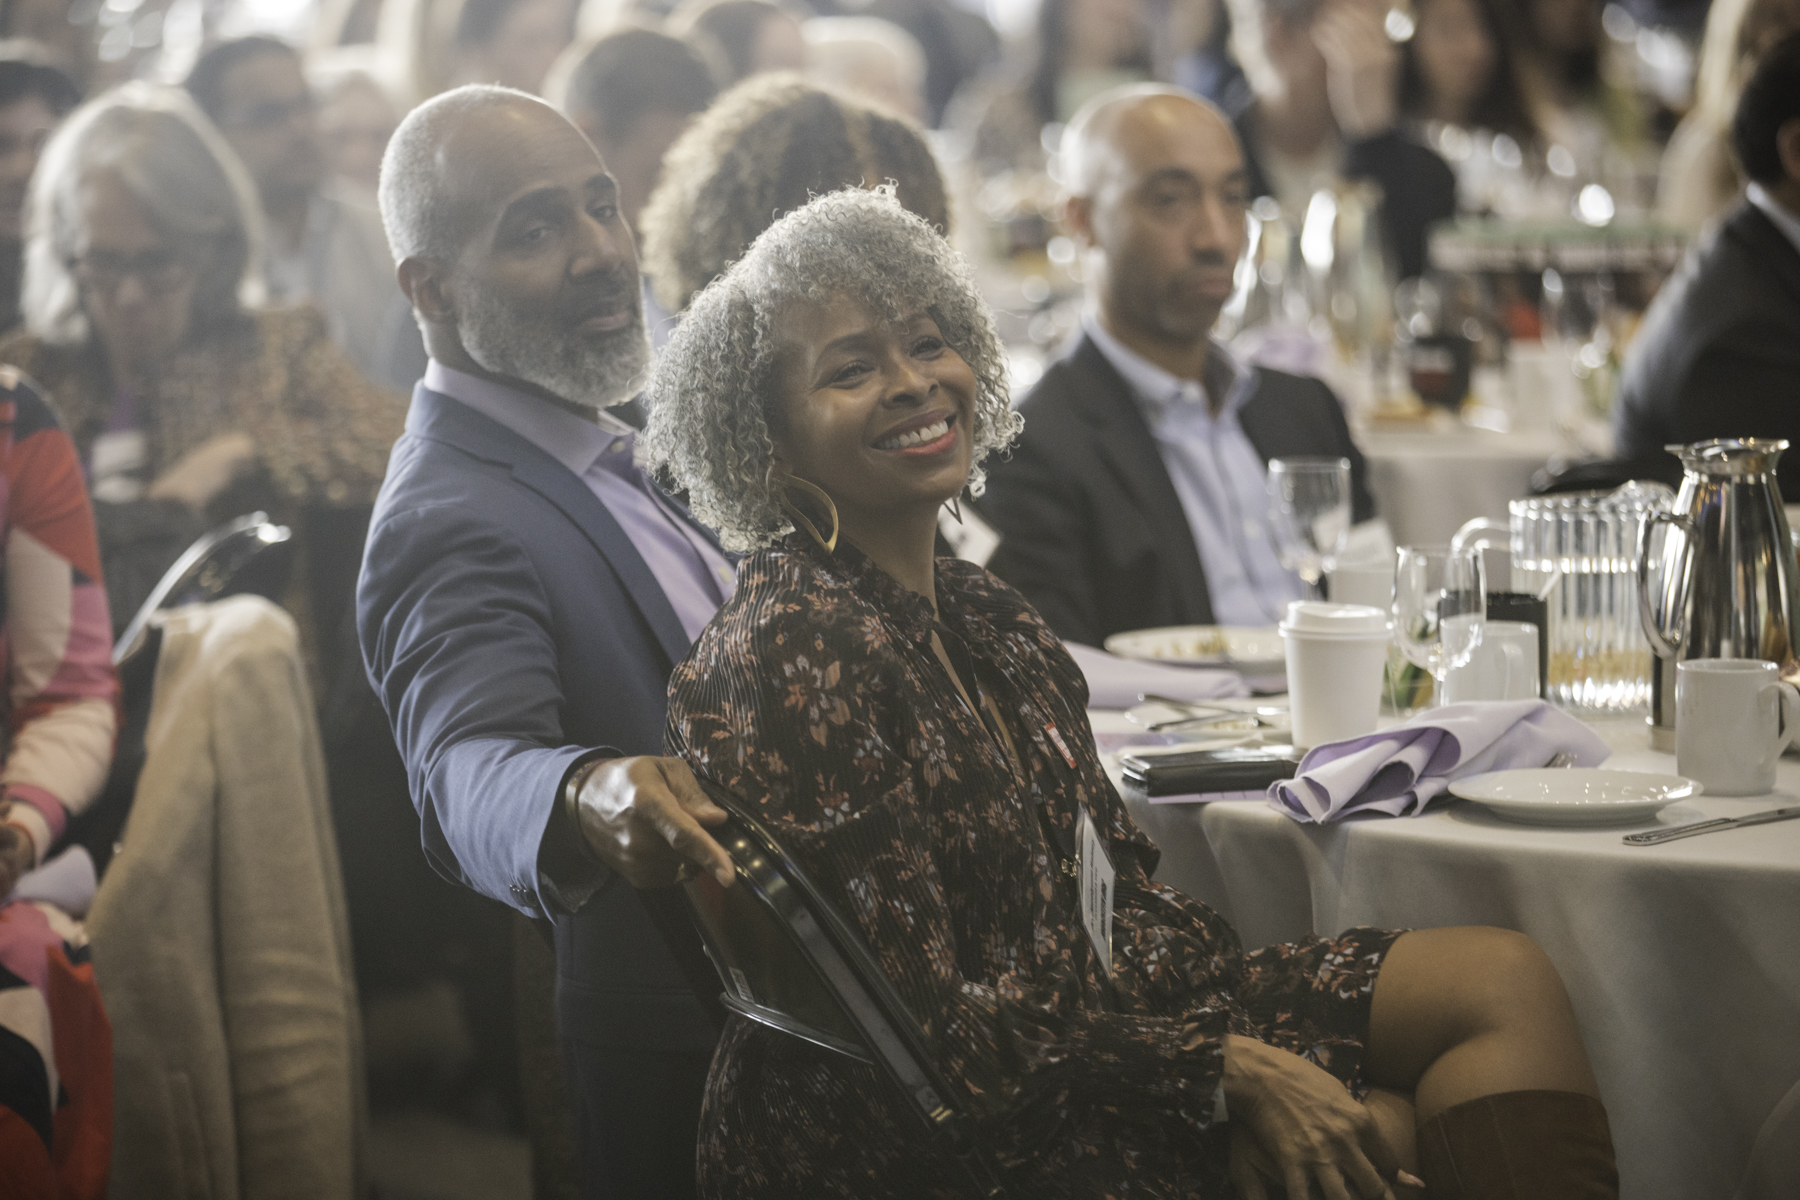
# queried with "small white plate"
point(1235, 647)
point(1574, 795)
point(1225, 729)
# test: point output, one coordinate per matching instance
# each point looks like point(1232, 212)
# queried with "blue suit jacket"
point(509, 627)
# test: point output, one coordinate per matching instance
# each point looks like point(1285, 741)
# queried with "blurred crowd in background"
point(1437, 184)
point(1575, 111)
point(1546, 117)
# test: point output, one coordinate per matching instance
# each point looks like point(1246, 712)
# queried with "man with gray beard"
point(526, 590)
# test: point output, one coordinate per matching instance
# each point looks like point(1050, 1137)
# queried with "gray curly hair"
point(715, 411)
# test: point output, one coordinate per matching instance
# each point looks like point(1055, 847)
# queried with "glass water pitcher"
point(1578, 551)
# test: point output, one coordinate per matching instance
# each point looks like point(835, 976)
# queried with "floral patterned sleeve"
point(813, 708)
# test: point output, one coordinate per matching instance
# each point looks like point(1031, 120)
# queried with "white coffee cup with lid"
point(1335, 656)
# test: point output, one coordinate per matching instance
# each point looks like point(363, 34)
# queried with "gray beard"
point(584, 374)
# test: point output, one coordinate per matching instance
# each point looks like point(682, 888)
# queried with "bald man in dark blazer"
point(1135, 496)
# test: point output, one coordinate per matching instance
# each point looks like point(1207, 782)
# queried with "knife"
point(1212, 714)
point(1658, 836)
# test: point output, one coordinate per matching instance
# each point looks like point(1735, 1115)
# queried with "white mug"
point(1504, 666)
point(1733, 718)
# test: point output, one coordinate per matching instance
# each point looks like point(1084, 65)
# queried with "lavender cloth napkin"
point(1399, 771)
point(1115, 682)
point(66, 881)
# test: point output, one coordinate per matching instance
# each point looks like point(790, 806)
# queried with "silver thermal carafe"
point(1721, 580)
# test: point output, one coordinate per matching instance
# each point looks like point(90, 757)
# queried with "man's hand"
point(208, 469)
point(1362, 66)
point(1296, 1125)
point(644, 818)
point(17, 854)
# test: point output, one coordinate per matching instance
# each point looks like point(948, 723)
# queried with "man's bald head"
point(448, 163)
point(1110, 126)
point(508, 241)
point(1158, 197)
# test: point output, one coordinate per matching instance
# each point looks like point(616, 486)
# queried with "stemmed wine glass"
point(1440, 601)
point(1309, 515)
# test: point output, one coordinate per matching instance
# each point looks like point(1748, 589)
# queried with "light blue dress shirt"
point(1218, 476)
point(695, 575)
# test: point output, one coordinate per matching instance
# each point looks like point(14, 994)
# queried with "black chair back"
point(247, 554)
point(97, 826)
point(790, 961)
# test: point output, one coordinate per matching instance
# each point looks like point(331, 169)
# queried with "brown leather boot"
point(1520, 1146)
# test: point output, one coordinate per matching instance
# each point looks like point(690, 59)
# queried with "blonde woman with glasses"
point(188, 403)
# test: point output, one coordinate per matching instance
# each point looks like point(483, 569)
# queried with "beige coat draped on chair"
point(219, 935)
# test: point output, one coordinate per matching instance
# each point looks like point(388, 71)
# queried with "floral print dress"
point(815, 696)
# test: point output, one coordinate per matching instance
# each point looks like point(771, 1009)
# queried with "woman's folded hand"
point(1296, 1125)
point(17, 855)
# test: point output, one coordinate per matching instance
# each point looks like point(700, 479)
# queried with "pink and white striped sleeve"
point(61, 693)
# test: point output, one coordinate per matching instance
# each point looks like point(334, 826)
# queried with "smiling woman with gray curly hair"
point(716, 417)
point(917, 738)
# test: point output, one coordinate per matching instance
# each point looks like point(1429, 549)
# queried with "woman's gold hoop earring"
point(954, 504)
point(784, 481)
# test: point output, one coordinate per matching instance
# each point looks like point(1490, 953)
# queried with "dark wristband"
point(571, 795)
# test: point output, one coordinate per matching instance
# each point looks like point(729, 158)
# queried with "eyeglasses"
point(158, 271)
point(271, 114)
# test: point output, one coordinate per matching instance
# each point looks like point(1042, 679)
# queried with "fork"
point(1564, 758)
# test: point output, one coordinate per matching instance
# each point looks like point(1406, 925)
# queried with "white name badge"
point(1095, 872)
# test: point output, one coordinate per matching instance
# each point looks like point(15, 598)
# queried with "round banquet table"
point(1426, 484)
point(1682, 960)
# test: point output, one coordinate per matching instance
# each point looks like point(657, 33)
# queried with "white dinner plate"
point(1236, 647)
point(1223, 731)
point(1574, 795)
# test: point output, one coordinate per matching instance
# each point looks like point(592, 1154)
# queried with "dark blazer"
point(1091, 528)
point(1418, 188)
point(1718, 354)
point(510, 627)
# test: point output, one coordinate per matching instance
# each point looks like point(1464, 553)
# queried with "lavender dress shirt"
point(694, 573)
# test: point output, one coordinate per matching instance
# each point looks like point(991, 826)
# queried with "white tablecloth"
point(1683, 960)
point(1427, 484)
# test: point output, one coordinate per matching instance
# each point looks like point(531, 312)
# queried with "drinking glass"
point(1309, 515)
point(1440, 599)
